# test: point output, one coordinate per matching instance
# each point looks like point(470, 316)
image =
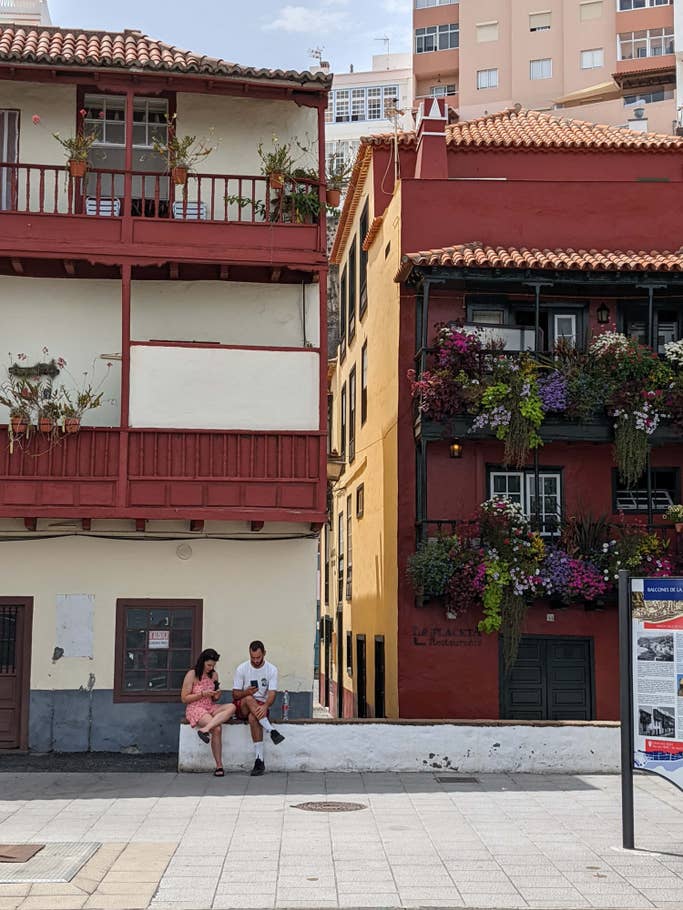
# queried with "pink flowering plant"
point(510, 395)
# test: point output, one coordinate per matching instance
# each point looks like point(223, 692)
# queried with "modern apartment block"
point(609, 61)
point(369, 101)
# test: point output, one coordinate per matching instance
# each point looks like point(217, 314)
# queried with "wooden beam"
point(225, 272)
point(69, 268)
point(257, 525)
point(173, 271)
point(275, 275)
point(86, 523)
point(316, 527)
point(30, 524)
point(17, 267)
point(140, 524)
point(196, 525)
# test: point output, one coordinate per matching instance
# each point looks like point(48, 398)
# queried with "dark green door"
point(552, 679)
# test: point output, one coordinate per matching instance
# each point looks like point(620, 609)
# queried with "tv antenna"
point(386, 41)
point(316, 53)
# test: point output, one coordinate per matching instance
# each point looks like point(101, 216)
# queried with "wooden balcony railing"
point(224, 198)
point(148, 473)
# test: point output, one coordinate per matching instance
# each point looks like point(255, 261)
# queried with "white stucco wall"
point(56, 107)
point(261, 589)
point(76, 320)
point(439, 748)
point(239, 124)
point(225, 311)
point(207, 388)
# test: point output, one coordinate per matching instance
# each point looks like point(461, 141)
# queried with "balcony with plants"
point(617, 391)
point(495, 566)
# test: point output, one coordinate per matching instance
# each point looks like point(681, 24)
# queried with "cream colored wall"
point(228, 312)
point(373, 607)
point(241, 601)
point(56, 107)
point(223, 389)
point(239, 124)
point(75, 319)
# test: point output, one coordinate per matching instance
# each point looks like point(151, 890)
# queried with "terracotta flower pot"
point(46, 424)
point(19, 425)
point(72, 424)
point(179, 175)
point(333, 197)
point(77, 167)
point(276, 180)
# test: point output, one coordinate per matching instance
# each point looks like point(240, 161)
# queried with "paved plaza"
point(171, 842)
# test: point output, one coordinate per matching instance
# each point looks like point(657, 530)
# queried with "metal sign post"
point(626, 700)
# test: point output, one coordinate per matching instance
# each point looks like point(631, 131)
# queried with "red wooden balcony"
point(148, 474)
point(117, 211)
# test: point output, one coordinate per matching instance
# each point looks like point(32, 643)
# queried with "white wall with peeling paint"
point(564, 748)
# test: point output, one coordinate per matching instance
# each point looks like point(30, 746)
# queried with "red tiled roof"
point(524, 129)
point(126, 50)
point(354, 194)
point(479, 256)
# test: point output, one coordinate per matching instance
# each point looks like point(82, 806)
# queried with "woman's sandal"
point(219, 772)
point(205, 738)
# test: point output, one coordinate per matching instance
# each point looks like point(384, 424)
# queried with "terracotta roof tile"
point(524, 129)
point(354, 194)
point(373, 231)
point(479, 256)
point(129, 49)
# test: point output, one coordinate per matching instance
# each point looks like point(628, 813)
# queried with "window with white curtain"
point(541, 69)
point(487, 79)
point(593, 59)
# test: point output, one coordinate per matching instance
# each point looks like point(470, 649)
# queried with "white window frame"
point(437, 38)
point(426, 4)
point(525, 497)
point(443, 90)
point(539, 68)
point(9, 153)
point(595, 61)
point(556, 335)
point(116, 105)
point(654, 42)
point(624, 7)
point(487, 78)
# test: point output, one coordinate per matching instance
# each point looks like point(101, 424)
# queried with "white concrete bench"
point(475, 747)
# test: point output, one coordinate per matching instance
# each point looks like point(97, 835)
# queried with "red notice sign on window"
point(159, 639)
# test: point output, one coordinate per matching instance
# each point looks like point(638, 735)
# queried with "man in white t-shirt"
point(253, 691)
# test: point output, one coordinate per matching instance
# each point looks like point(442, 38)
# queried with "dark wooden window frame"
point(342, 422)
point(364, 383)
point(26, 603)
point(343, 307)
point(360, 500)
point(363, 262)
point(353, 286)
point(349, 548)
point(349, 653)
point(150, 603)
point(655, 467)
point(353, 393)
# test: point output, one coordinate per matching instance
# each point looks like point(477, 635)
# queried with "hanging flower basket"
point(77, 167)
point(19, 425)
point(72, 424)
point(46, 424)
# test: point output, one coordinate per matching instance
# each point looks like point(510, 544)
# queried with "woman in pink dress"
point(200, 694)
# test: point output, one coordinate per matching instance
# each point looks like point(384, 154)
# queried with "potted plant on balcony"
point(182, 153)
point(277, 164)
point(77, 148)
point(337, 179)
point(76, 404)
point(49, 415)
point(675, 514)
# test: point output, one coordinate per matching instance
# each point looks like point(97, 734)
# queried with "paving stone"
point(55, 902)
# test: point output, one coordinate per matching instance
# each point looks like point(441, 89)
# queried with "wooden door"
point(15, 657)
point(9, 154)
point(361, 677)
point(552, 679)
point(379, 676)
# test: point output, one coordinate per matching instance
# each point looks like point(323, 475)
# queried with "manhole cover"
point(330, 807)
point(54, 863)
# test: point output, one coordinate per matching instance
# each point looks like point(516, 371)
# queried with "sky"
point(265, 33)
